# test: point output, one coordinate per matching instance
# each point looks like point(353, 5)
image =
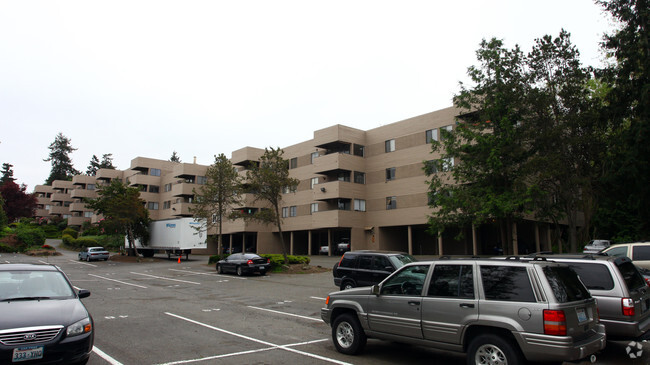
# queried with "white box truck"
point(176, 236)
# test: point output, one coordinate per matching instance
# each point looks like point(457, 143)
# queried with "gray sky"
point(146, 78)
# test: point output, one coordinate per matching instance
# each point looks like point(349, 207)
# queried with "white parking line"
point(117, 281)
point(164, 278)
point(273, 346)
point(105, 356)
point(285, 313)
point(317, 298)
point(209, 274)
point(83, 263)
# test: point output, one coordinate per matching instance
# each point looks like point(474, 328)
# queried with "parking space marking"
point(272, 345)
point(164, 278)
point(105, 356)
point(318, 298)
point(285, 313)
point(83, 263)
point(207, 273)
point(117, 281)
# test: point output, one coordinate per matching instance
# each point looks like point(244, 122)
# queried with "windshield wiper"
point(23, 298)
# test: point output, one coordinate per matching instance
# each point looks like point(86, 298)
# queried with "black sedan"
point(41, 317)
point(244, 263)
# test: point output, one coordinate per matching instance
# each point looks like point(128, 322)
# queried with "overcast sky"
point(146, 78)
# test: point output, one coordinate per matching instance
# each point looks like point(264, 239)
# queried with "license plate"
point(582, 315)
point(27, 353)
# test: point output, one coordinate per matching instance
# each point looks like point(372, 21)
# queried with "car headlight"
point(79, 328)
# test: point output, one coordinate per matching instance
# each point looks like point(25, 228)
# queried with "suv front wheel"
point(493, 349)
point(347, 284)
point(347, 334)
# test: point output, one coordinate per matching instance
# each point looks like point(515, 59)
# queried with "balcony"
point(181, 209)
point(183, 189)
point(83, 193)
point(337, 218)
point(61, 197)
point(140, 179)
point(108, 174)
point(77, 221)
point(59, 210)
point(78, 207)
point(338, 161)
point(338, 189)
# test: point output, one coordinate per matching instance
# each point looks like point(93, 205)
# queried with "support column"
point(440, 243)
point(309, 243)
point(538, 247)
point(291, 243)
point(474, 243)
point(410, 240)
point(329, 242)
point(515, 244)
point(230, 244)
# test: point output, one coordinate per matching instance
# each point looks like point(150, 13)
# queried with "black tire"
point(239, 271)
point(347, 334)
point(219, 269)
point(490, 348)
point(88, 258)
point(348, 284)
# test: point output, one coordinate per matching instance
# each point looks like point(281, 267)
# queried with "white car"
point(93, 253)
point(595, 246)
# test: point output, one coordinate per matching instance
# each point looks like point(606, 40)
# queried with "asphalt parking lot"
point(164, 312)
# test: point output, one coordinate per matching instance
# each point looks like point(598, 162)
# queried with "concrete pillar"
point(440, 253)
point(329, 242)
point(538, 247)
point(515, 244)
point(410, 240)
point(309, 243)
point(474, 241)
point(291, 243)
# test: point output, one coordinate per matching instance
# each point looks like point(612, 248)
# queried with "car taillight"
point(554, 322)
point(268, 261)
point(249, 262)
point(628, 306)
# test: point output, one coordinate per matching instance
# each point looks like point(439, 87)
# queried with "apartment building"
point(367, 188)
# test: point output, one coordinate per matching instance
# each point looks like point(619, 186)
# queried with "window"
point(447, 163)
point(314, 207)
point(201, 180)
point(566, 285)
point(168, 187)
point(285, 212)
point(390, 174)
point(640, 253)
point(408, 281)
point(88, 214)
point(447, 128)
point(343, 204)
point(359, 205)
point(90, 187)
point(292, 211)
point(214, 218)
point(431, 135)
point(154, 188)
point(314, 181)
point(154, 172)
point(152, 206)
point(431, 166)
point(344, 176)
point(390, 145)
point(313, 156)
point(294, 163)
point(167, 204)
point(358, 150)
point(359, 177)
point(507, 283)
point(391, 203)
point(452, 281)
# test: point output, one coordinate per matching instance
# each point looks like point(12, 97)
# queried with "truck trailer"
point(176, 236)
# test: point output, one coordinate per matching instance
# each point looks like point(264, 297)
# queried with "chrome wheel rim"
point(344, 334)
point(490, 355)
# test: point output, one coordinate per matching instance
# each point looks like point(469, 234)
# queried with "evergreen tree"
point(175, 157)
point(7, 173)
point(93, 166)
point(59, 156)
point(107, 162)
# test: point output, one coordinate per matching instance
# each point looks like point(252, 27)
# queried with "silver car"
point(93, 253)
point(529, 311)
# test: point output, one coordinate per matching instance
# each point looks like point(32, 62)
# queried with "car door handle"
point(414, 303)
point(467, 305)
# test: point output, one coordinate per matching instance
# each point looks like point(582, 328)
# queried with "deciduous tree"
point(17, 202)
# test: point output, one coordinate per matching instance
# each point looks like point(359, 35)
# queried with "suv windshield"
point(565, 284)
point(401, 259)
point(631, 275)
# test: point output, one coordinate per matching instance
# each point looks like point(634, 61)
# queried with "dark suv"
point(365, 268)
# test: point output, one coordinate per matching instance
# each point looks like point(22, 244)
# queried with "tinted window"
point(617, 251)
point(452, 281)
point(401, 260)
point(409, 281)
point(365, 262)
point(565, 284)
point(641, 253)
point(507, 283)
point(348, 261)
point(631, 275)
point(381, 263)
point(594, 276)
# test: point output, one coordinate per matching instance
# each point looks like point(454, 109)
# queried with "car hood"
point(364, 290)
point(17, 314)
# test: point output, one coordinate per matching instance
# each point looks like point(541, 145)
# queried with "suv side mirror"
point(375, 289)
point(83, 293)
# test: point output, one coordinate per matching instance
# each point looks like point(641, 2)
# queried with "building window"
point(201, 180)
point(293, 211)
point(314, 181)
point(359, 205)
point(313, 156)
point(391, 203)
point(154, 172)
point(344, 204)
point(390, 174)
point(358, 150)
point(359, 177)
point(214, 218)
point(390, 145)
point(314, 207)
point(447, 128)
point(294, 163)
point(88, 214)
point(431, 135)
point(90, 187)
point(154, 188)
point(285, 212)
point(344, 176)
point(152, 206)
point(447, 163)
point(168, 187)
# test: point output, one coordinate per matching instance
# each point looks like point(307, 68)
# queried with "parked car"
point(42, 319)
point(595, 246)
point(623, 295)
point(529, 311)
point(364, 268)
point(244, 263)
point(324, 250)
point(94, 253)
point(639, 252)
point(342, 247)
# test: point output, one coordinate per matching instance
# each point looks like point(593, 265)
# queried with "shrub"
point(68, 240)
point(85, 242)
point(6, 248)
point(12, 244)
point(277, 260)
point(30, 236)
point(47, 247)
point(71, 232)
